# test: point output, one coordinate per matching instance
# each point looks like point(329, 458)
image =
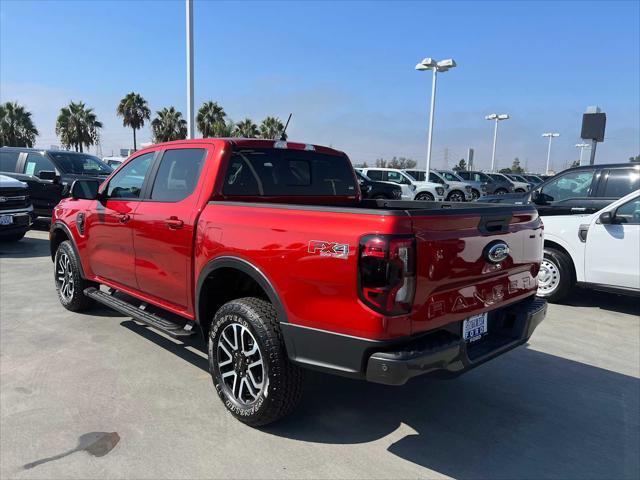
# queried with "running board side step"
point(169, 327)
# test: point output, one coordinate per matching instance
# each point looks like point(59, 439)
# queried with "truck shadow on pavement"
point(604, 301)
point(526, 414)
point(28, 247)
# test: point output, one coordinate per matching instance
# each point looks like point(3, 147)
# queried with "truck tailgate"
point(456, 277)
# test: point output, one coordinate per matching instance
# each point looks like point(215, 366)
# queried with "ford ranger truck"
point(267, 250)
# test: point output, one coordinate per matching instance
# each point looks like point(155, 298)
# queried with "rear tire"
point(557, 276)
point(475, 194)
point(70, 285)
point(500, 191)
point(424, 197)
point(249, 365)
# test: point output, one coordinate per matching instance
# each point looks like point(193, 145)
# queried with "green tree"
point(271, 129)
point(78, 126)
point(16, 126)
point(169, 125)
point(211, 120)
point(246, 129)
point(505, 170)
point(461, 166)
point(402, 163)
point(515, 166)
point(635, 159)
point(134, 111)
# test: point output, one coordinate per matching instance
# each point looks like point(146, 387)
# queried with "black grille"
point(12, 198)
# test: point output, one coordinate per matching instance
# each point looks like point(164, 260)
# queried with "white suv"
point(458, 190)
point(411, 189)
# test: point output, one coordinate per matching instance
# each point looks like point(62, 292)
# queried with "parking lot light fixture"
point(496, 117)
point(436, 66)
point(551, 136)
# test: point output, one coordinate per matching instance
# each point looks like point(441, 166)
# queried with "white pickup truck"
point(600, 251)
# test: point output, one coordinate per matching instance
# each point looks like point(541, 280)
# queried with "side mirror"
point(47, 175)
point(606, 218)
point(85, 189)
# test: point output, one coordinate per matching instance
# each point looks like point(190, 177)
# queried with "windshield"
point(452, 177)
point(80, 163)
point(519, 178)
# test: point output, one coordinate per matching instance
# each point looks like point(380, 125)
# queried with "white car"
point(411, 189)
point(458, 191)
point(600, 251)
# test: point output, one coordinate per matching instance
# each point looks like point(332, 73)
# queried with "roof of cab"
point(249, 143)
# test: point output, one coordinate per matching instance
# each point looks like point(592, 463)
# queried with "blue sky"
point(345, 70)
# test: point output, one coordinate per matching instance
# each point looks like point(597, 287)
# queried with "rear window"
point(274, 172)
point(8, 161)
point(81, 164)
point(621, 182)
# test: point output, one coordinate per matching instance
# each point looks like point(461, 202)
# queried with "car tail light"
point(387, 273)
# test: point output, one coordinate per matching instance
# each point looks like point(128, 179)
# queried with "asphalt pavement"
point(95, 395)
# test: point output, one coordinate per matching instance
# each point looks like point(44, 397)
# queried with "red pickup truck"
point(268, 251)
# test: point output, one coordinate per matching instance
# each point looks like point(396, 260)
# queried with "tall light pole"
point(441, 66)
point(551, 136)
point(190, 112)
point(497, 117)
point(581, 146)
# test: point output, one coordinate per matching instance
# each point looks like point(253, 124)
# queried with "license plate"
point(473, 328)
point(6, 219)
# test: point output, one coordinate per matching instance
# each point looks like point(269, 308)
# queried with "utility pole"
point(190, 112)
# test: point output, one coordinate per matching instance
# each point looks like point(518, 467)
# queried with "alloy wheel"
point(240, 362)
point(64, 277)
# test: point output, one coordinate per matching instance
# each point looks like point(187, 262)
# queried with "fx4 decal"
point(329, 249)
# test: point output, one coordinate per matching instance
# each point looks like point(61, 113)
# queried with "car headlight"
point(468, 188)
point(440, 190)
point(413, 188)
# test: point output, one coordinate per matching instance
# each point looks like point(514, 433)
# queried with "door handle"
point(124, 218)
point(174, 223)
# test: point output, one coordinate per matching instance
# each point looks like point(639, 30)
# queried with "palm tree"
point(246, 129)
point(16, 127)
point(77, 126)
point(271, 128)
point(169, 125)
point(210, 119)
point(134, 111)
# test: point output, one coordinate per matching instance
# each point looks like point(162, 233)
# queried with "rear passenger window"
point(273, 172)
point(375, 174)
point(621, 182)
point(8, 161)
point(178, 174)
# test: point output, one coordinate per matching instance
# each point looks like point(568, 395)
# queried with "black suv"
point(50, 173)
point(585, 189)
point(373, 189)
point(15, 209)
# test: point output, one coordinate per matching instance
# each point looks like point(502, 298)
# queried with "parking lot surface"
point(96, 395)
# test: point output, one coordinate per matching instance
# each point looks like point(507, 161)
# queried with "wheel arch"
point(231, 277)
point(557, 246)
point(60, 233)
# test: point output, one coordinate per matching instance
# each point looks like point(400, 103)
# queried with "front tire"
point(424, 197)
point(68, 279)
point(456, 196)
point(500, 191)
point(249, 365)
point(475, 195)
point(556, 277)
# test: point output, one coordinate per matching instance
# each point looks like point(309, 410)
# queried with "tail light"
point(387, 273)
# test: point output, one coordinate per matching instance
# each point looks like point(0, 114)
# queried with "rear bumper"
point(450, 356)
point(393, 362)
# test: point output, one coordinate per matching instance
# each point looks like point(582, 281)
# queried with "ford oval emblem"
point(496, 252)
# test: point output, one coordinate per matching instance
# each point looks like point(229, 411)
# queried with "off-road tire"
point(76, 301)
point(282, 381)
point(425, 197)
point(558, 266)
